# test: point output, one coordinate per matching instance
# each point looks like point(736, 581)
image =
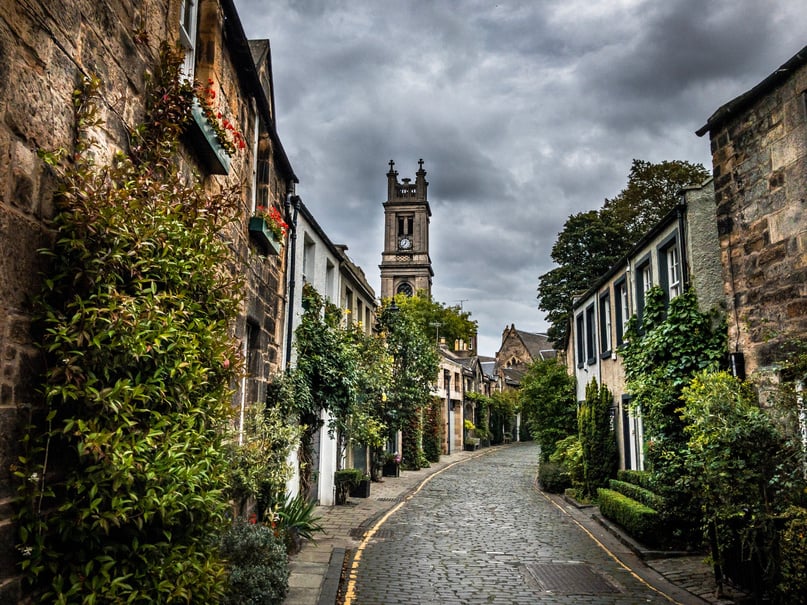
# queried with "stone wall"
point(760, 172)
point(45, 48)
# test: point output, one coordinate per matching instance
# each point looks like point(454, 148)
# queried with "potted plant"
point(344, 481)
point(362, 488)
point(471, 442)
point(268, 227)
point(392, 465)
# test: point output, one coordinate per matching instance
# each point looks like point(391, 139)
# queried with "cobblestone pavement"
point(488, 511)
point(480, 533)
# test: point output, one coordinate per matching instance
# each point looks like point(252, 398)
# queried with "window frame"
point(579, 327)
point(188, 33)
point(644, 281)
point(591, 340)
point(621, 308)
point(606, 344)
point(668, 246)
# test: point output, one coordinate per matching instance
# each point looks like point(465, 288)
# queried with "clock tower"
point(406, 267)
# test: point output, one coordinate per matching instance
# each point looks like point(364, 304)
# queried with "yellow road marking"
point(350, 589)
point(606, 549)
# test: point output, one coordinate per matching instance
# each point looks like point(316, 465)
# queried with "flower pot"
point(260, 232)
point(392, 469)
point(362, 490)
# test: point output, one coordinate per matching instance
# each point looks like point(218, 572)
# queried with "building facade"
point(759, 163)
point(679, 252)
point(406, 267)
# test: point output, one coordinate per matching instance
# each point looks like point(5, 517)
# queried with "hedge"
point(553, 477)
point(640, 521)
point(640, 494)
point(641, 478)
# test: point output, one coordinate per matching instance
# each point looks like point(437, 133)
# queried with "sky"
point(523, 112)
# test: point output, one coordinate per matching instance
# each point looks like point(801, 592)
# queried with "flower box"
point(260, 231)
point(206, 142)
point(361, 490)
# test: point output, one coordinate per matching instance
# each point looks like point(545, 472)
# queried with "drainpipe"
point(291, 257)
point(683, 245)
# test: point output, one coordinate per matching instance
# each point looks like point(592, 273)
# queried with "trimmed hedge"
point(640, 521)
point(640, 494)
point(641, 478)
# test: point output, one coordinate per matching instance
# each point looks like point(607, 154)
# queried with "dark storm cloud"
point(524, 113)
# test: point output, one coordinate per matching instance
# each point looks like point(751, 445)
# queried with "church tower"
point(406, 267)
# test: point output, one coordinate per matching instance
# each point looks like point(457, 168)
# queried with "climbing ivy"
point(124, 487)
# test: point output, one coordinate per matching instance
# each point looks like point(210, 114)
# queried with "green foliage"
point(297, 520)
point(454, 323)
point(791, 586)
point(433, 430)
point(591, 242)
point(643, 479)
point(259, 571)
point(569, 453)
point(124, 487)
point(742, 468)
point(553, 477)
point(258, 467)
point(675, 342)
point(414, 372)
point(640, 494)
point(639, 520)
point(548, 403)
point(597, 439)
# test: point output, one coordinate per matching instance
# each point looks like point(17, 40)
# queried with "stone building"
point(759, 162)
point(679, 252)
point(45, 49)
point(518, 350)
point(406, 267)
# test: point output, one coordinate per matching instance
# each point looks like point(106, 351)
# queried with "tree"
point(597, 439)
point(591, 242)
point(586, 248)
point(548, 404)
point(434, 317)
point(415, 364)
point(653, 191)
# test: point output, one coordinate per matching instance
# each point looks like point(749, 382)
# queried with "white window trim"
point(188, 26)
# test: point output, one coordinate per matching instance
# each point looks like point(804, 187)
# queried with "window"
point(605, 324)
point(405, 223)
point(349, 304)
point(330, 279)
point(188, 18)
point(406, 289)
point(644, 281)
point(308, 260)
point(578, 328)
point(591, 350)
point(621, 309)
point(673, 272)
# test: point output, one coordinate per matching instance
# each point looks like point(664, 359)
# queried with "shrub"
point(297, 522)
point(259, 571)
point(640, 521)
point(640, 494)
point(597, 441)
point(792, 582)
point(643, 479)
point(553, 477)
point(569, 453)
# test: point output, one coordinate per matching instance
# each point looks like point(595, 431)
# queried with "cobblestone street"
point(481, 533)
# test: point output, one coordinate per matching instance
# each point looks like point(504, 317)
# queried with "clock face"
point(404, 243)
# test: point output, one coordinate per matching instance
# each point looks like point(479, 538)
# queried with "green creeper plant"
point(123, 488)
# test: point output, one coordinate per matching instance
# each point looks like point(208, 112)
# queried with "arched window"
point(405, 288)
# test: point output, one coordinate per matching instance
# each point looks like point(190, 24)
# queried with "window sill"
point(206, 143)
point(591, 361)
point(605, 354)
